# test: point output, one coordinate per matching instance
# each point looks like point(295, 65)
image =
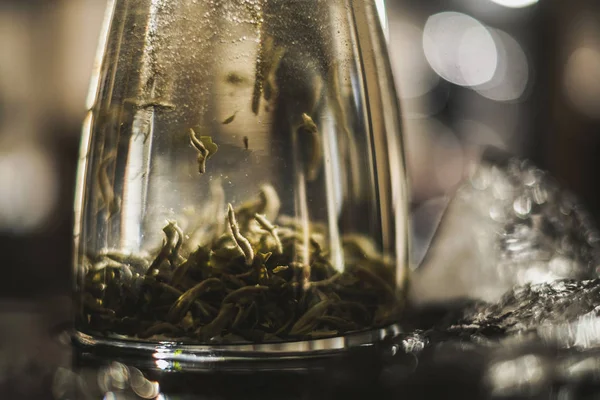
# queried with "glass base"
point(176, 356)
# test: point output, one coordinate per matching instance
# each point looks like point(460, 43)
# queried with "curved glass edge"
point(173, 355)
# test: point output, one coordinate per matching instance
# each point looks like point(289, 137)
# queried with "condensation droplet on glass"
point(480, 179)
point(561, 266)
point(530, 177)
point(498, 212)
point(592, 237)
point(522, 206)
point(538, 273)
point(502, 189)
point(519, 240)
point(566, 245)
point(515, 167)
point(539, 194)
point(566, 204)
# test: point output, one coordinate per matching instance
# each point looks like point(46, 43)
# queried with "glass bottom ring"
point(176, 356)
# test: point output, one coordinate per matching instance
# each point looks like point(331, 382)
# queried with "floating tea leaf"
point(230, 119)
point(313, 148)
point(235, 79)
point(160, 328)
point(242, 243)
point(272, 229)
point(206, 149)
point(280, 268)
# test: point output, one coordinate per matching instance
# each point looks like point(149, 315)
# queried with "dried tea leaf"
point(245, 294)
point(242, 243)
point(228, 120)
point(183, 303)
point(280, 268)
point(240, 284)
point(309, 319)
point(267, 226)
point(206, 149)
point(235, 78)
point(377, 282)
point(314, 149)
point(338, 323)
point(219, 324)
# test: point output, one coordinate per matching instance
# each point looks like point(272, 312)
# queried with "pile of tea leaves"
point(242, 279)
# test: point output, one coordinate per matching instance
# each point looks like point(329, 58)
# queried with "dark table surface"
point(38, 361)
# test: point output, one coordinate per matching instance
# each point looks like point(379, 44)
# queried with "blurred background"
point(521, 75)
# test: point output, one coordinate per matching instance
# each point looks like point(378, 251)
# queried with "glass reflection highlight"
point(515, 3)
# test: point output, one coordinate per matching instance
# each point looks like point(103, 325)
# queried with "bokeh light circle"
point(460, 49)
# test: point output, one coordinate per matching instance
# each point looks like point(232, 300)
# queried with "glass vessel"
point(242, 183)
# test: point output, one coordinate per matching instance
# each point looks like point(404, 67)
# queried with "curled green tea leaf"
point(183, 303)
point(169, 252)
point(314, 150)
point(206, 149)
point(280, 268)
point(266, 225)
point(310, 318)
point(219, 324)
point(242, 243)
point(245, 294)
point(240, 285)
point(376, 281)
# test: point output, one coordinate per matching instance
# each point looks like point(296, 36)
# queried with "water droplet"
point(561, 266)
point(592, 237)
point(480, 179)
point(498, 213)
point(567, 204)
point(532, 176)
point(539, 194)
point(522, 206)
point(502, 189)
